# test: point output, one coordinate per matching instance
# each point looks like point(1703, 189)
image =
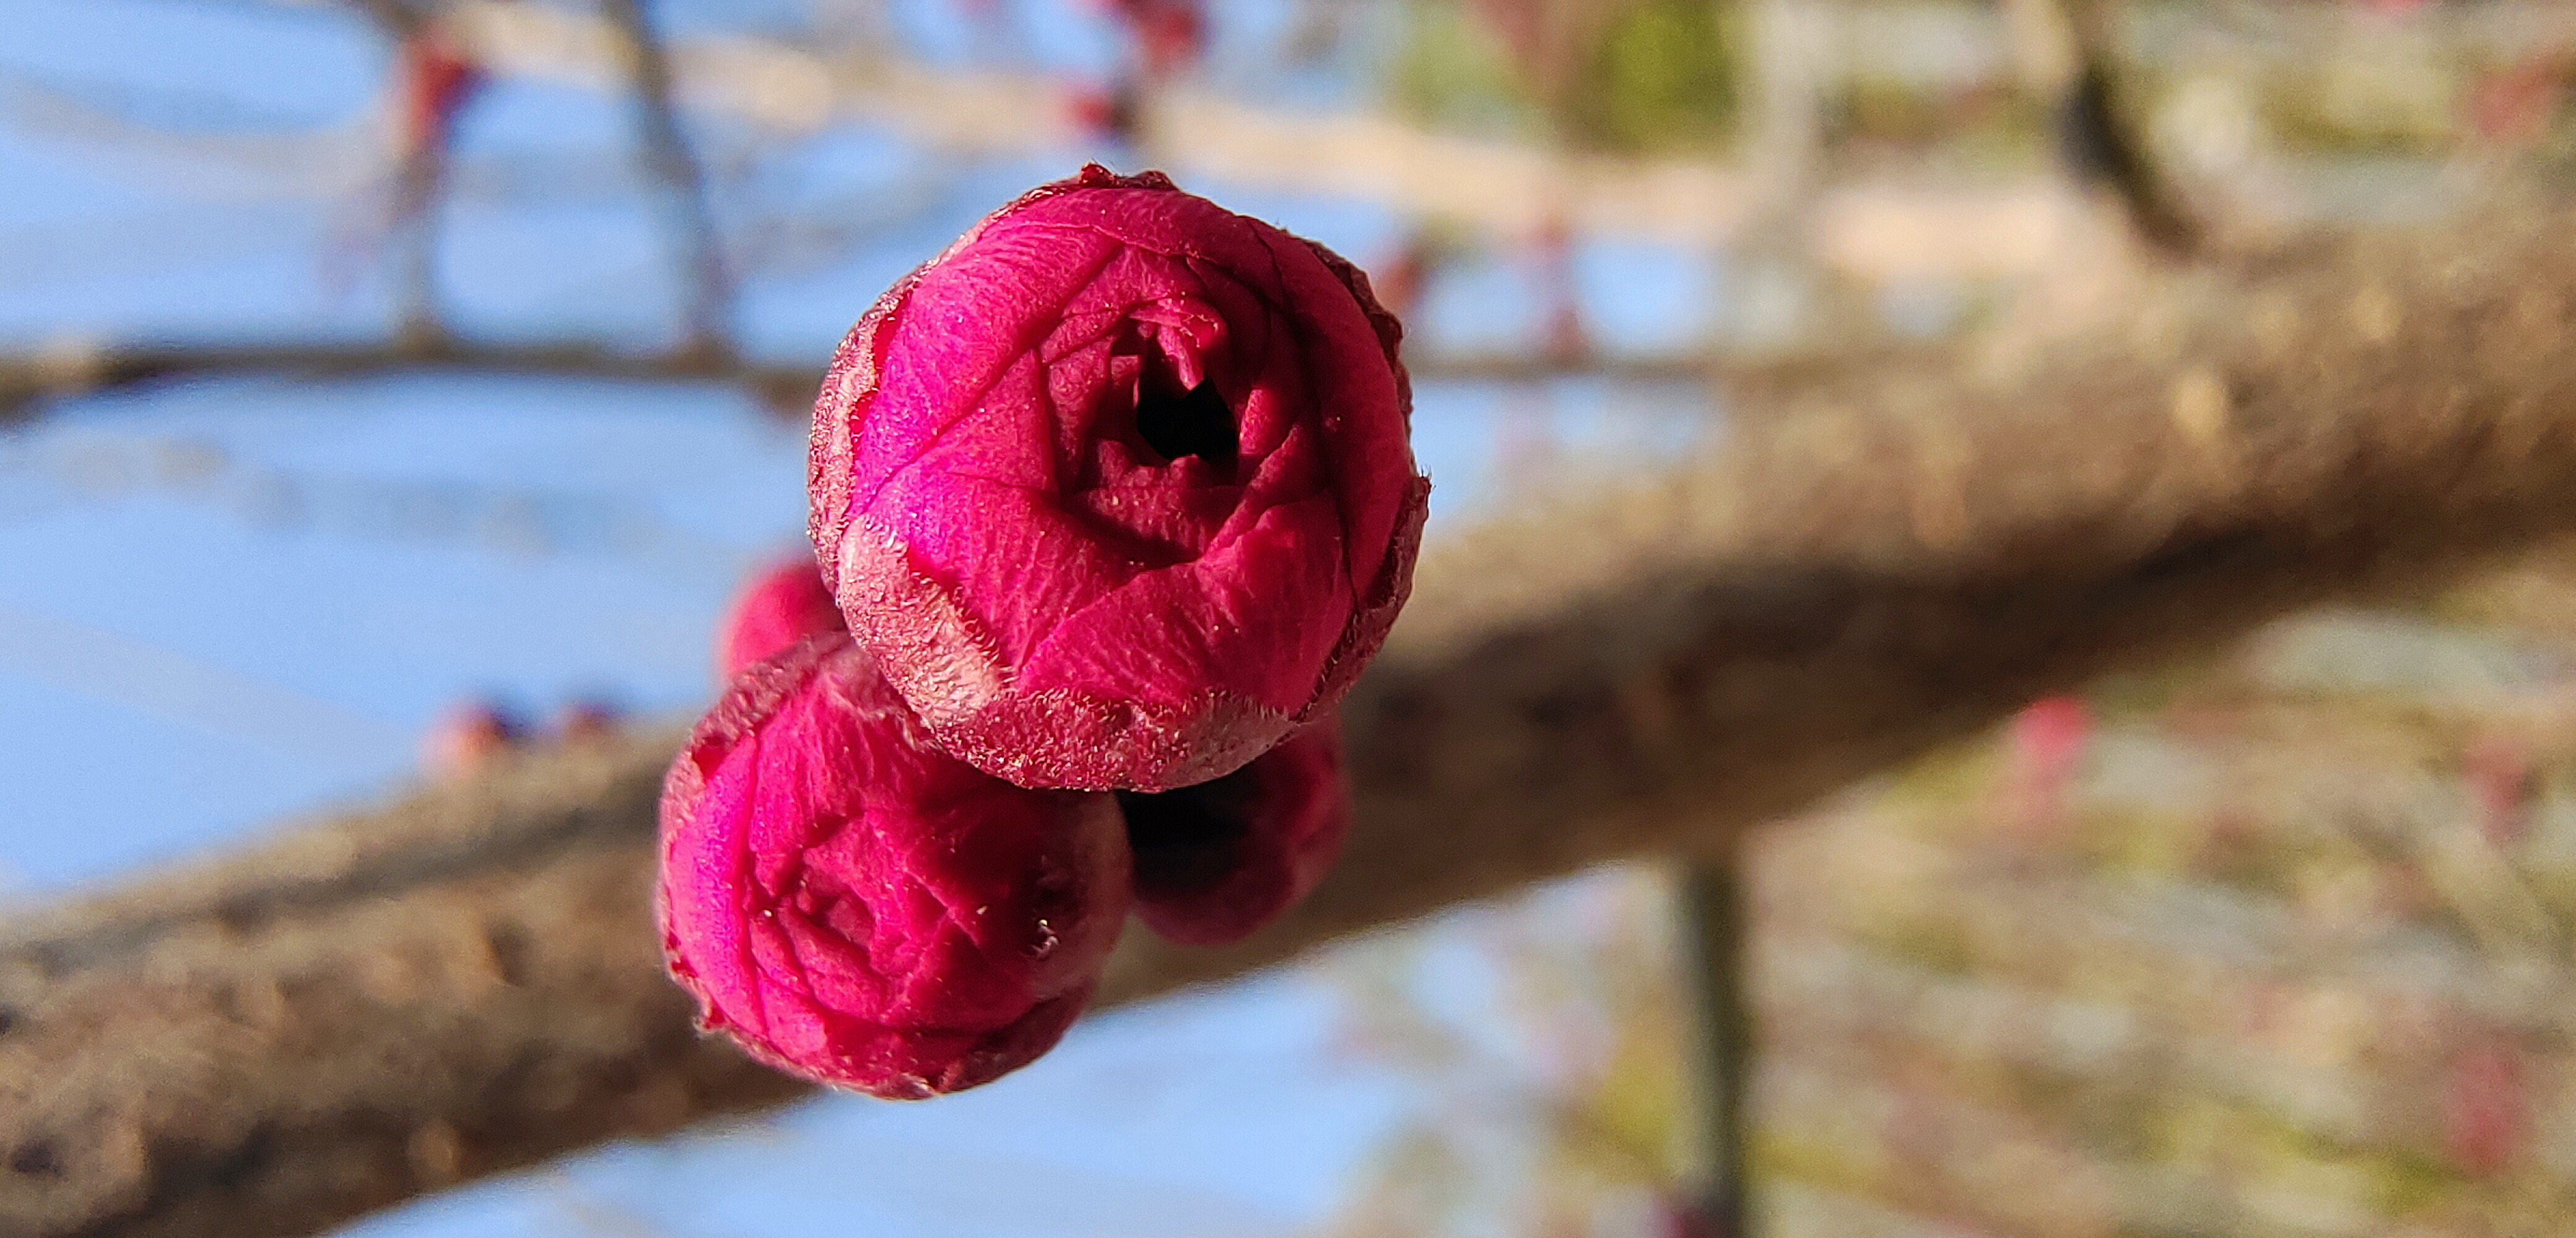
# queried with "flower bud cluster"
point(1111, 502)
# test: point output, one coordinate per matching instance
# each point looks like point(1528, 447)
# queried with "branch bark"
point(465, 981)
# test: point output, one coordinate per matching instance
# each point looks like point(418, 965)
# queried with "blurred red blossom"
point(2486, 1114)
point(435, 80)
point(468, 736)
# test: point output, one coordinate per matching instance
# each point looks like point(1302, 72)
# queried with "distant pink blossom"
point(856, 907)
point(2048, 741)
point(1110, 112)
point(437, 79)
point(1118, 489)
point(2500, 780)
point(2486, 1108)
point(1170, 35)
point(470, 735)
point(779, 608)
point(1217, 861)
point(588, 719)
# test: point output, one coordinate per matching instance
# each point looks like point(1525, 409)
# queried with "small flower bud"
point(437, 80)
point(589, 720)
point(852, 905)
point(469, 737)
point(1219, 860)
point(779, 608)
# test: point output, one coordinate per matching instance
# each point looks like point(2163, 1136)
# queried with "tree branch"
point(466, 981)
point(81, 368)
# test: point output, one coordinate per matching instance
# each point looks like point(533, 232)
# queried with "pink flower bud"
point(589, 720)
point(1216, 861)
point(779, 608)
point(1118, 489)
point(856, 907)
point(2486, 1108)
point(437, 80)
point(2048, 741)
point(468, 737)
point(2500, 778)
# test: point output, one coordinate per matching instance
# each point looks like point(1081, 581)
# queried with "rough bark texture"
point(465, 981)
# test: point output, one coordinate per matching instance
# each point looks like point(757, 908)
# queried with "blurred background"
point(384, 384)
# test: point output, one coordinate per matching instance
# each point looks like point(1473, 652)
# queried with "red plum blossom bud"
point(1219, 860)
point(779, 608)
point(1110, 113)
point(1118, 489)
point(852, 905)
point(2501, 783)
point(436, 82)
point(469, 736)
point(588, 720)
point(2486, 1104)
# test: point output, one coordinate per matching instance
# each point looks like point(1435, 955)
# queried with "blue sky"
point(223, 603)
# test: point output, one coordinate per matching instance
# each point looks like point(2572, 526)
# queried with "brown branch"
point(81, 368)
point(466, 981)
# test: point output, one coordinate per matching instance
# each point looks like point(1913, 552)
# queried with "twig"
point(1505, 188)
point(256, 1046)
point(77, 368)
point(1716, 933)
point(2101, 136)
point(679, 181)
point(420, 172)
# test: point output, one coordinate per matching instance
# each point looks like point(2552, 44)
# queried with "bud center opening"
point(1195, 422)
point(1189, 839)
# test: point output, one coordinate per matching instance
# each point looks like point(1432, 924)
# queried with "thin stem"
point(2100, 139)
point(420, 175)
point(679, 184)
point(1713, 918)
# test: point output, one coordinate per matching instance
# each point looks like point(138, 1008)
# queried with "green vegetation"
point(1635, 76)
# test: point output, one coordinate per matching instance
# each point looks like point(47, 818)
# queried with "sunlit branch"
point(1505, 188)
